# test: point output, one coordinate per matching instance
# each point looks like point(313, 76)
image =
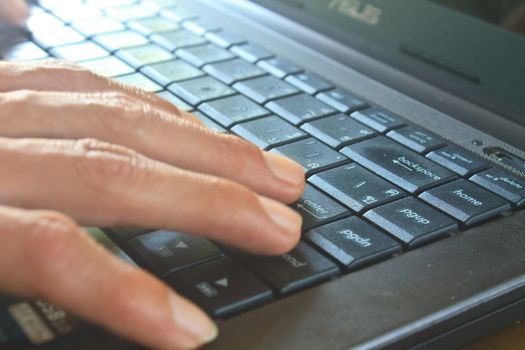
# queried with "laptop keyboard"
point(376, 186)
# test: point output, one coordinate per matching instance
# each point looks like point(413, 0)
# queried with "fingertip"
point(14, 12)
point(285, 169)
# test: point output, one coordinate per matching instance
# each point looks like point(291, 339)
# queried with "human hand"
point(13, 11)
point(75, 146)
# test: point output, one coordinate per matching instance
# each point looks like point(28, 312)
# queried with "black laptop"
point(408, 118)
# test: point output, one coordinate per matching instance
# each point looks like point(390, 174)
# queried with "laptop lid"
point(474, 49)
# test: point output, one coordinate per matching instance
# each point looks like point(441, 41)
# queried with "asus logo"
point(366, 13)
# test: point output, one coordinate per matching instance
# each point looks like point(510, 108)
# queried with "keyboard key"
point(198, 90)
point(169, 72)
point(279, 67)
point(224, 39)
point(142, 55)
point(174, 100)
point(43, 22)
point(268, 132)
point(75, 12)
point(221, 287)
point(177, 14)
point(177, 39)
point(128, 13)
point(353, 242)
point(120, 40)
point(465, 201)
point(139, 81)
point(342, 100)
point(299, 108)
point(251, 52)
point(80, 52)
point(232, 71)
point(95, 26)
point(264, 89)
point(104, 4)
point(56, 36)
point(338, 130)
point(317, 208)
point(458, 160)
point(109, 66)
point(356, 187)
point(124, 234)
point(167, 251)
point(148, 26)
point(416, 138)
point(204, 54)
point(411, 221)
point(507, 186)
point(25, 51)
point(210, 124)
point(397, 164)
point(159, 4)
point(311, 154)
point(378, 119)
point(298, 269)
point(231, 110)
point(309, 83)
point(199, 26)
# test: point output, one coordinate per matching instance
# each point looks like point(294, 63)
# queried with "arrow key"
point(167, 251)
point(221, 287)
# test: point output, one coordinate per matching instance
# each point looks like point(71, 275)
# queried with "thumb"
point(13, 11)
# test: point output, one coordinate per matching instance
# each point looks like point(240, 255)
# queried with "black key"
point(264, 89)
point(177, 14)
point(251, 52)
point(231, 110)
point(174, 100)
point(169, 72)
point(166, 251)
point(210, 124)
point(268, 132)
point(24, 51)
point(232, 71)
point(459, 161)
point(198, 90)
point(204, 54)
point(124, 234)
point(279, 67)
point(356, 187)
point(177, 39)
point(316, 208)
point(128, 13)
point(507, 186)
point(311, 154)
point(465, 201)
point(397, 164)
point(96, 26)
point(143, 55)
point(109, 66)
point(221, 287)
point(416, 138)
point(338, 130)
point(84, 51)
point(299, 108)
point(120, 40)
point(411, 221)
point(378, 119)
point(224, 39)
point(353, 242)
point(309, 83)
point(148, 26)
point(200, 26)
point(298, 269)
point(342, 100)
point(139, 81)
point(57, 36)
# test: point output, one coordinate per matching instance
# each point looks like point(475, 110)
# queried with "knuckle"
point(120, 114)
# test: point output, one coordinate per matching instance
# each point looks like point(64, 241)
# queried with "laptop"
point(408, 118)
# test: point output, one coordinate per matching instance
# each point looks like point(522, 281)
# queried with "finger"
point(59, 75)
point(116, 118)
point(55, 261)
point(13, 11)
point(100, 184)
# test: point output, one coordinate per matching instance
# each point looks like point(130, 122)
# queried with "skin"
point(77, 149)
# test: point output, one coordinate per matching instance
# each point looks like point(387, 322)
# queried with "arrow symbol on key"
point(181, 244)
point(223, 282)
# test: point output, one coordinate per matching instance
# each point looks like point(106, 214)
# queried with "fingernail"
point(284, 168)
point(283, 216)
point(193, 322)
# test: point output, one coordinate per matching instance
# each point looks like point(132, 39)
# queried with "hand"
point(87, 149)
point(13, 11)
